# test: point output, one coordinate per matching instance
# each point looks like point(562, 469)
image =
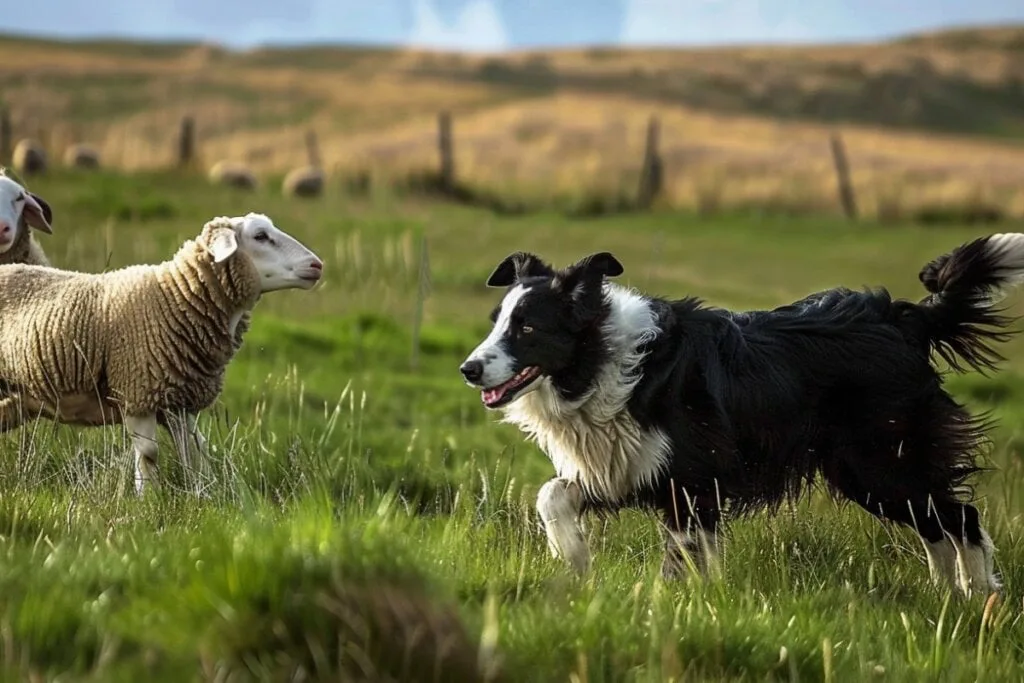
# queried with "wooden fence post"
point(312, 149)
point(187, 142)
point(846, 196)
point(446, 176)
point(652, 171)
point(6, 135)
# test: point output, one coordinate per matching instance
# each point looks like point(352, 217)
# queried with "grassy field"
point(928, 120)
point(360, 482)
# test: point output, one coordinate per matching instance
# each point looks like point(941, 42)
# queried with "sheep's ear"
point(223, 243)
point(37, 213)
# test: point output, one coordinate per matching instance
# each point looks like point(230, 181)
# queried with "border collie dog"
point(697, 411)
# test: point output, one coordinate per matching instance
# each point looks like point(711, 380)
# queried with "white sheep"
point(81, 155)
point(143, 345)
point(20, 211)
point(29, 157)
point(232, 174)
point(305, 181)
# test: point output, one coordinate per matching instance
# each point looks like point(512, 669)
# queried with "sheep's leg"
point(185, 432)
point(202, 446)
point(143, 431)
point(194, 437)
point(12, 413)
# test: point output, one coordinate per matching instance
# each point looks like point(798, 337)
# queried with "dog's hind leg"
point(941, 555)
point(975, 552)
point(559, 503)
point(959, 550)
point(691, 535)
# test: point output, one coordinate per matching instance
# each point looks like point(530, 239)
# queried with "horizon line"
point(198, 41)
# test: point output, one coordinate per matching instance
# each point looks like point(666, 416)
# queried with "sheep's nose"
point(472, 370)
point(4, 227)
point(317, 265)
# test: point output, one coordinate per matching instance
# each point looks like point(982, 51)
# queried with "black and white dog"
point(697, 411)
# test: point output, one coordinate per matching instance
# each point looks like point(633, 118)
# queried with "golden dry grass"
point(928, 120)
point(560, 143)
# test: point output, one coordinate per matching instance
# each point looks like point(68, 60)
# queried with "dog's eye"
point(526, 329)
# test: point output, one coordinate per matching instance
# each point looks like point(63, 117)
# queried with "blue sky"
point(485, 25)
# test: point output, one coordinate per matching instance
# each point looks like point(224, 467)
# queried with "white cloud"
point(707, 22)
point(478, 28)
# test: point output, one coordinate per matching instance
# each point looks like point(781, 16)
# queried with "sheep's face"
point(16, 203)
point(281, 260)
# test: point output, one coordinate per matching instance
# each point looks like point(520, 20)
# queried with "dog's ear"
point(582, 282)
point(602, 263)
point(588, 272)
point(515, 267)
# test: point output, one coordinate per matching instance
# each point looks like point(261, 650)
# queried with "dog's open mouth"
point(495, 397)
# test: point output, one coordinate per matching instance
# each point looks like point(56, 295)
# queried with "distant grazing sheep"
point(232, 174)
point(29, 157)
point(144, 345)
point(81, 155)
point(305, 181)
point(20, 211)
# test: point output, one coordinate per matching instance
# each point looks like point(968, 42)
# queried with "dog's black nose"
point(472, 370)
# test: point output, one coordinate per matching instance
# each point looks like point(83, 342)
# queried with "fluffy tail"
point(965, 285)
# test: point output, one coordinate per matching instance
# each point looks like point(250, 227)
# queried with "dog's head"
point(539, 324)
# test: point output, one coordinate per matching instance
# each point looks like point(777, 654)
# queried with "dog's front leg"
point(691, 537)
point(559, 503)
point(682, 548)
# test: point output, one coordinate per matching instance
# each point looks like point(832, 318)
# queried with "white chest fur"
point(595, 441)
point(607, 456)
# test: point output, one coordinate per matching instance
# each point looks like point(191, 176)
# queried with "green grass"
point(353, 487)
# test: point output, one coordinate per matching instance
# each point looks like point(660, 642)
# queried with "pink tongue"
point(497, 393)
point(493, 395)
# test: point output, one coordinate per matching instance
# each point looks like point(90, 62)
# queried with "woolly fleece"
point(90, 348)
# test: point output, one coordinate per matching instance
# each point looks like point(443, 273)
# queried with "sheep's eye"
point(261, 237)
point(527, 329)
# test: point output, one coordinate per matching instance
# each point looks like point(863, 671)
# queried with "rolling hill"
point(924, 116)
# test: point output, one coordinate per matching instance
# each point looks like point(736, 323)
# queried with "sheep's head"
point(16, 203)
point(281, 260)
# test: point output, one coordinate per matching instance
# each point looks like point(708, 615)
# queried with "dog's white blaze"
point(491, 351)
point(594, 441)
